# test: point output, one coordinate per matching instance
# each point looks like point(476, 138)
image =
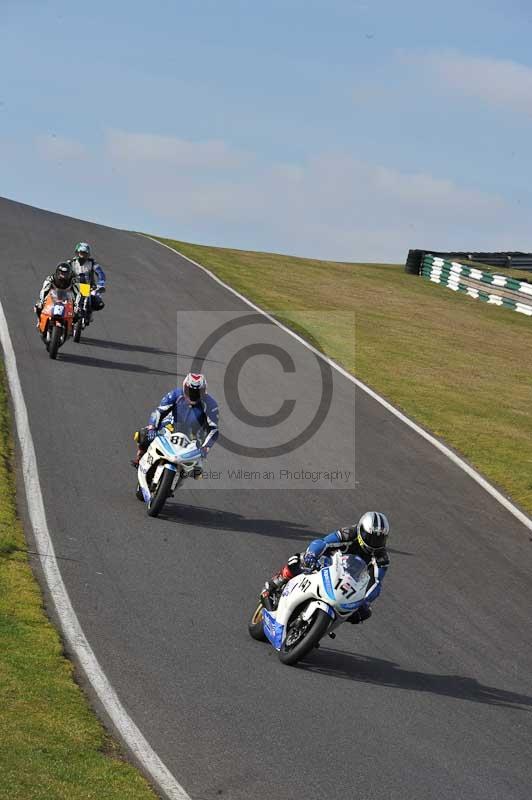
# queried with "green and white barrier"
point(508, 292)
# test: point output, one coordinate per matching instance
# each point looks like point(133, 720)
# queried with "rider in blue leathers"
point(87, 270)
point(367, 539)
point(190, 410)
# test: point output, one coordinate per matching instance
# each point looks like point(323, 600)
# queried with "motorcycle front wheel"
point(256, 627)
point(55, 340)
point(77, 331)
point(301, 639)
point(159, 497)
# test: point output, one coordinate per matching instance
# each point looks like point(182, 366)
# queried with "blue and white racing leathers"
point(199, 421)
point(346, 540)
point(89, 272)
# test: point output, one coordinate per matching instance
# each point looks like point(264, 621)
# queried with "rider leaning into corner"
point(190, 410)
point(62, 278)
point(87, 270)
point(367, 539)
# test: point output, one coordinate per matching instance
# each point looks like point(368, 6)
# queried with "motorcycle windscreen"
point(177, 438)
point(60, 295)
point(355, 566)
point(351, 591)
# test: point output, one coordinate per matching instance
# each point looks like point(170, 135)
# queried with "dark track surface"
point(430, 699)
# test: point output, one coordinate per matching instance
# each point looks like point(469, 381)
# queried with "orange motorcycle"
point(56, 319)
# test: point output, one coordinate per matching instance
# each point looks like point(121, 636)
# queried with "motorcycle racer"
point(63, 278)
point(190, 410)
point(87, 270)
point(367, 539)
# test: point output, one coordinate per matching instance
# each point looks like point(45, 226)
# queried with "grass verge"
point(460, 367)
point(51, 744)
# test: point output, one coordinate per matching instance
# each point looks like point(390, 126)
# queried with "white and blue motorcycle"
point(170, 458)
point(312, 605)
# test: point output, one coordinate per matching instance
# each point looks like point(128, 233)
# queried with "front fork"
point(53, 323)
point(173, 468)
point(82, 311)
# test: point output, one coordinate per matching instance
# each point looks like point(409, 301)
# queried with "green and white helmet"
point(82, 250)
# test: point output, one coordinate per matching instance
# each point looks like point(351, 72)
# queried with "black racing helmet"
point(63, 275)
point(372, 531)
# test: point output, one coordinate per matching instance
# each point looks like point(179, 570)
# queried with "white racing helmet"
point(194, 387)
point(372, 531)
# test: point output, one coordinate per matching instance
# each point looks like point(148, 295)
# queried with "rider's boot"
point(139, 437)
point(273, 588)
point(135, 461)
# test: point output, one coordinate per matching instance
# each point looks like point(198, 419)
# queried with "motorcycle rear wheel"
point(55, 340)
point(256, 627)
point(291, 654)
point(162, 492)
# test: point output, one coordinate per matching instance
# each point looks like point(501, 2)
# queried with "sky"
point(322, 128)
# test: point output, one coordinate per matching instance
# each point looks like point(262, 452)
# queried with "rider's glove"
point(100, 289)
point(145, 435)
point(310, 560)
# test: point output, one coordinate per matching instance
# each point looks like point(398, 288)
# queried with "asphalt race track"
point(432, 698)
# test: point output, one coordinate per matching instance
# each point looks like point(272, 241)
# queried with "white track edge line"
point(69, 622)
point(507, 504)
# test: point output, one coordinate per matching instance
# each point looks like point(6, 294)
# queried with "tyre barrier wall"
point(414, 262)
point(509, 259)
point(487, 286)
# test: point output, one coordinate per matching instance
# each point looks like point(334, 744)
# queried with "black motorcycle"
point(83, 310)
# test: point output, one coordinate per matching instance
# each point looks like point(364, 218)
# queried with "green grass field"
point(52, 747)
point(460, 367)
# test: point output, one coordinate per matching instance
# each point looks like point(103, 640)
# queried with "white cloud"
point(497, 82)
point(174, 152)
point(60, 148)
point(331, 205)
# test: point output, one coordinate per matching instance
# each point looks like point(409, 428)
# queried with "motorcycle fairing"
point(192, 455)
point(352, 606)
point(327, 583)
point(272, 629)
point(161, 439)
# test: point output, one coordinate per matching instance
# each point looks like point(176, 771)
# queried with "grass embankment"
point(52, 747)
point(460, 367)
